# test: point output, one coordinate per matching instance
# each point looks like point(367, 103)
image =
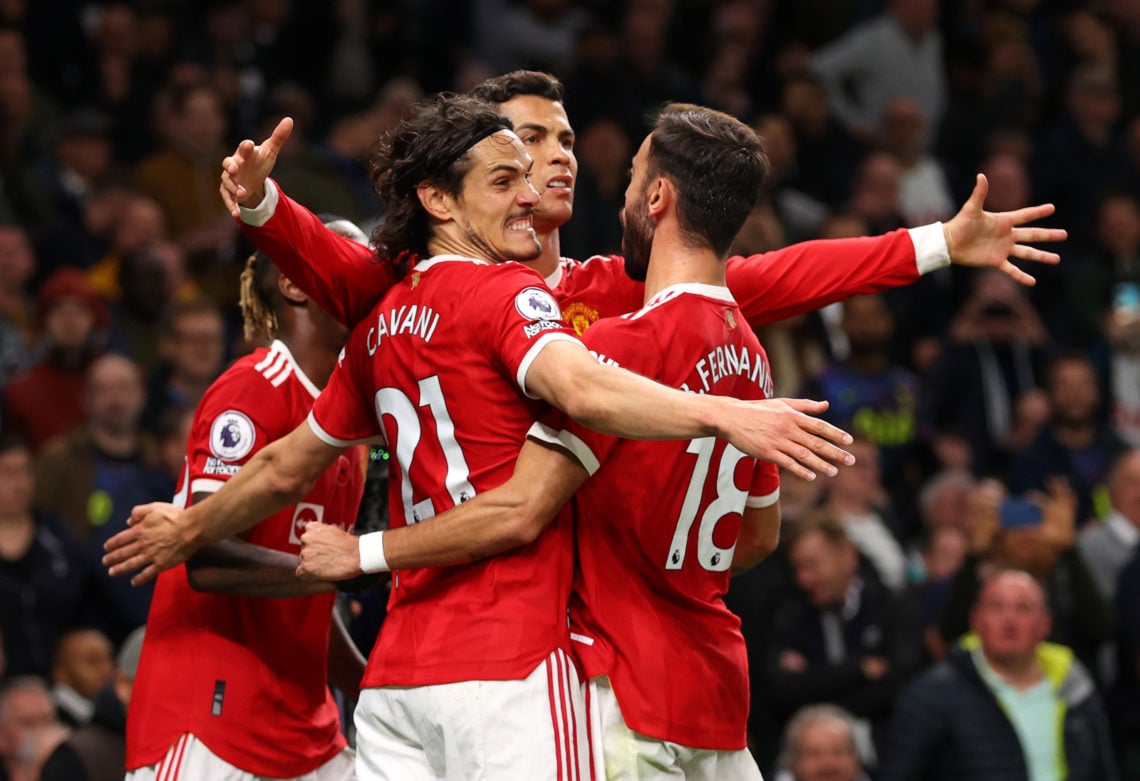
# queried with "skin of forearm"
point(267, 483)
point(618, 402)
point(506, 517)
point(243, 569)
point(759, 537)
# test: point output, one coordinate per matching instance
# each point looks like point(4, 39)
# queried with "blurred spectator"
point(856, 498)
point(899, 54)
point(842, 637)
point(872, 396)
point(1107, 546)
point(827, 154)
point(799, 213)
point(48, 399)
point(29, 731)
point(1111, 267)
point(820, 745)
point(144, 279)
point(172, 431)
point(193, 350)
point(982, 395)
point(44, 577)
point(139, 224)
point(92, 476)
point(875, 193)
point(924, 192)
point(97, 751)
point(603, 150)
point(183, 177)
point(990, 711)
point(1082, 153)
point(17, 265)
point(82, 666)
point(1082, 618)
point(1075, 442)
point(534, 34)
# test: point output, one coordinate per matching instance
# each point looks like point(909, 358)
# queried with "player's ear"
point(659, 196)
point(293, 294)
point(435, 201)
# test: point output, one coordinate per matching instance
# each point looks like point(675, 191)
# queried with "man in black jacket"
point(990, 711)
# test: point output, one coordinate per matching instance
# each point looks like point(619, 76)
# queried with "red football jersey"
point(769, 287)
point(657, 524)
point(439, 370)
point(248, 676)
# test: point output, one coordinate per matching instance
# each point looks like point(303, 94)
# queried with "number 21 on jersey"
point(411, 440)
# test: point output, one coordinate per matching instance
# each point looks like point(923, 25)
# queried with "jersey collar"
point(424, 265)
point(717, 292)
point(280, 347)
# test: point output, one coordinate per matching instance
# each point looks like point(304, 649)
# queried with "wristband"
point(372, 552)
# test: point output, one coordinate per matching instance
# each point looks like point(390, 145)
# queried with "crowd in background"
point(119, 282)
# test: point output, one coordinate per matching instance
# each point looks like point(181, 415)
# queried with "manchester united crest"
point(579, 316)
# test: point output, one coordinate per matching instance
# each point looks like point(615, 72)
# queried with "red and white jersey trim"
point(278, 364)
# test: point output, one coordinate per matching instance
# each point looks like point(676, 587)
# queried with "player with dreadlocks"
point(232, 681)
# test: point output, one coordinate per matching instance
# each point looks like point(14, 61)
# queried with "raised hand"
point(328, 553)
point(783, 431)
point(245, 171)
point(979, 238)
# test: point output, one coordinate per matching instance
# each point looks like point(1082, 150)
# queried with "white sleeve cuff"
point(567, 441)
point(760, 502)
point(372, 553)
point(260, 214)
point(930, 250)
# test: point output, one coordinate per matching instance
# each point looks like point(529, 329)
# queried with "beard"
point(637, 239)
point(496, 256)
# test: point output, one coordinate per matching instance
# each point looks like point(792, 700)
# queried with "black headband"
point(475, 139)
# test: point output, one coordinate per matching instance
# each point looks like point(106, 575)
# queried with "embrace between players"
point(564, 521)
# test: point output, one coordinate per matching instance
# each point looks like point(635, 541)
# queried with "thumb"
point(277, 139)
point(978, 196)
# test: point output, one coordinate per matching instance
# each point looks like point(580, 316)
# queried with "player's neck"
point(546, 263)
point(313, 348)
point(671, 263)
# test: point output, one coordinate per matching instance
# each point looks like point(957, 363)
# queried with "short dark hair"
point(429, 145)
point(719, 166)
point(827, 525)
point(511, 85)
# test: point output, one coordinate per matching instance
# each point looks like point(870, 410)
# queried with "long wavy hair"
point(429, 146)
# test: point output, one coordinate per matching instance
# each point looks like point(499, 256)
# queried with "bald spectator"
point(924, 192)
point(1005, 705)
point(83, 665)
point(47, 400)
point(820, 745)
point(29, 731)
point(93, 475)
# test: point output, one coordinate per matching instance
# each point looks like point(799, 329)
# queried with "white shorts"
point(189, 760)
point(523, 730)
point(617, 753)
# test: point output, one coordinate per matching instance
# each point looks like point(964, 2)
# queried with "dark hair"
point(511, 85)
point(429, 145)
point(719, 166)
point(10, 440)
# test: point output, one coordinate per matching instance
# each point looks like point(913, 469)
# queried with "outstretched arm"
point(506, 517)
point(162, 535)
point(341, 276)
point(618, 402)
point(812, 274)
point(247, 570)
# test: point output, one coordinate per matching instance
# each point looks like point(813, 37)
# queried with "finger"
point(1023, 252)
point(131, 564)
point(809, 406)
point(1017, 275)
point(1030, 213)
point(146, 576)
point(122, 554)
point(280, 135)
point(230, 204)
point(824, 430)
point(1036, 235)
point(830, 452)
point(977, 198)
point(789, 464)
point(125, 537)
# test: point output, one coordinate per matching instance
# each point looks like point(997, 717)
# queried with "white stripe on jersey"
point(280, 362)
point(718, 292)
point(758, 502)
